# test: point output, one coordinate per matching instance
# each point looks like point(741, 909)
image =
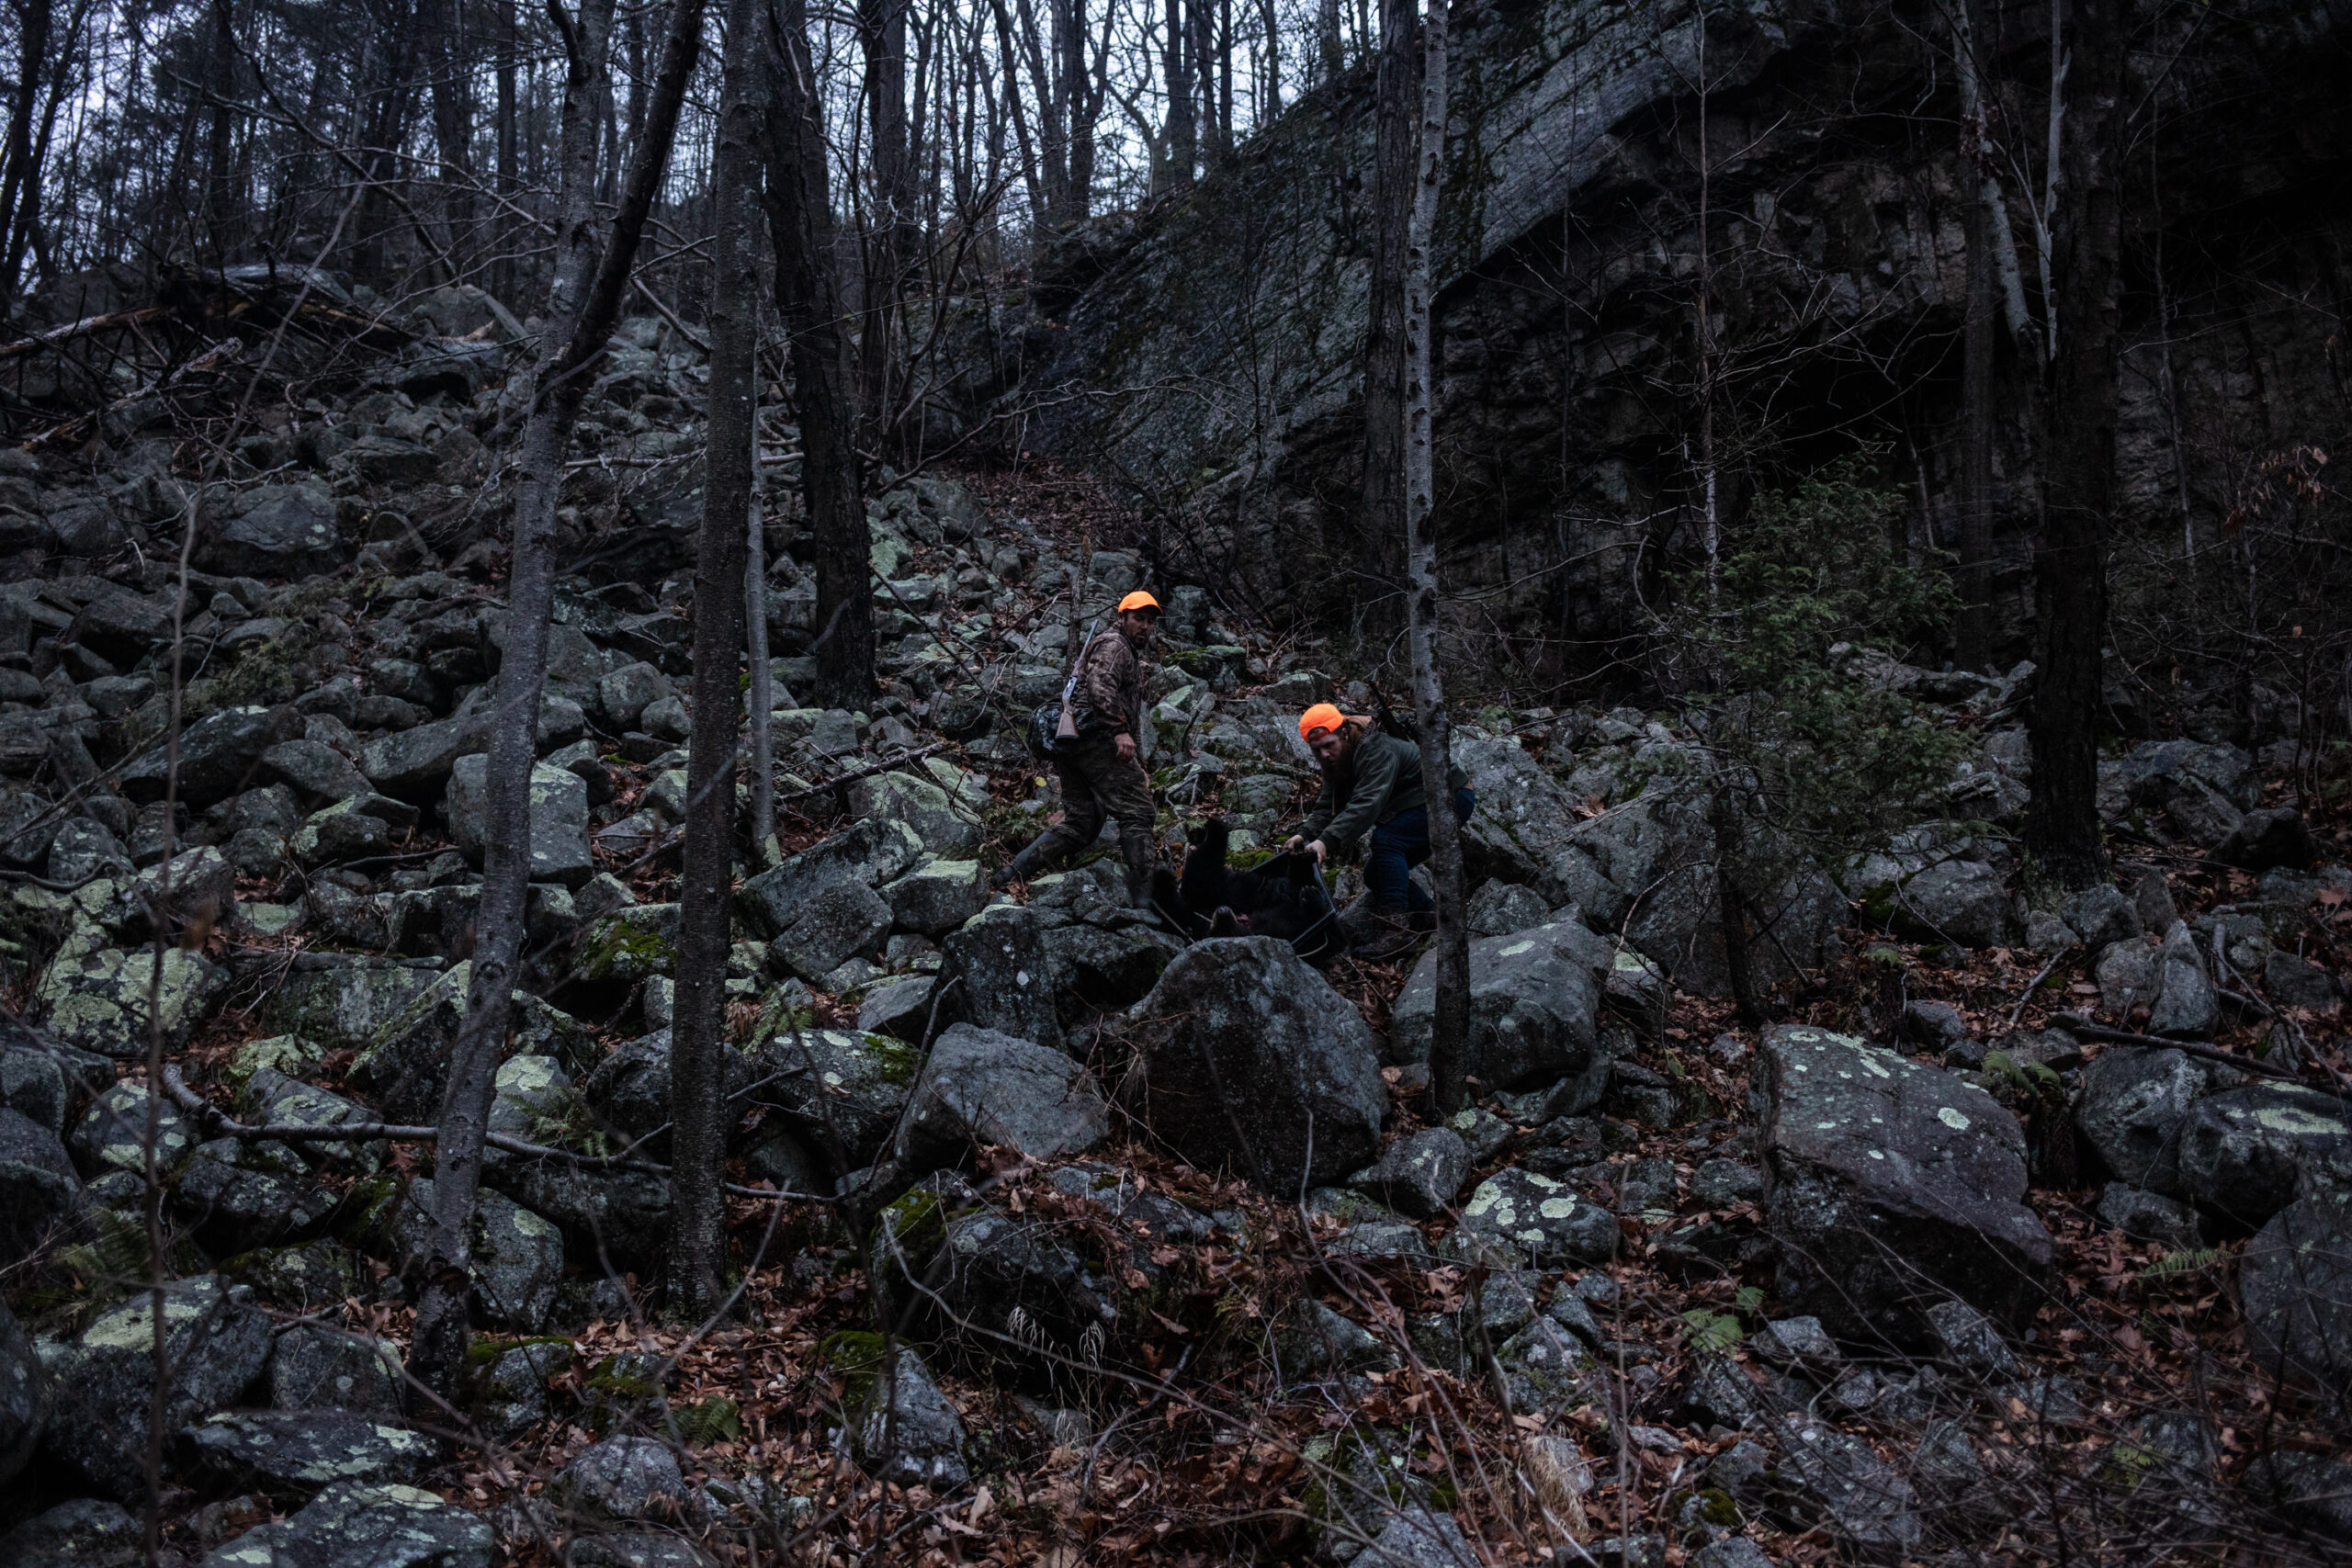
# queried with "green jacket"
point(1380, 780)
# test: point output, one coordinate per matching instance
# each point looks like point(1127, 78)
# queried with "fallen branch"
point(866, 771)
point(2034, 984)
point(2076, 1023)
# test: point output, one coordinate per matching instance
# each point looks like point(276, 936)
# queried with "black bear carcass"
point(1282, 897)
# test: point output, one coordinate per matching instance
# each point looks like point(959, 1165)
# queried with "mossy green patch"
point(619, 951)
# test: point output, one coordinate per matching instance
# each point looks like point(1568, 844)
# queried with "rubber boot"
point(1392, 938)
point(1045, 852)
point(1134, 853)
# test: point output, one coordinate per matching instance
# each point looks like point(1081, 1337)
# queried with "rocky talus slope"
point(2021, 1235)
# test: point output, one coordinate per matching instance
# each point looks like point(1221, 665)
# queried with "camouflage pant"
point(1098, 782)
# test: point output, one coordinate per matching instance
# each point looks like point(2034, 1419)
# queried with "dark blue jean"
point(1399, 845)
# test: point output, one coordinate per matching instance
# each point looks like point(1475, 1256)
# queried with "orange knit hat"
point(1322, 716)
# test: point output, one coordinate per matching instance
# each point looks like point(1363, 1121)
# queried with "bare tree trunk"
point(1393, 170)
point(808, 296)
point(1450, 1035)
point(21, 186)
point(507, 275)
point(453, 128)
point(1176, 62)
point(762, 695)
point(2078, 461)
point(220, 202)
point(436, 1354)
point(1972, 639)
point(882, 35)
point(698, 1242)
point(1327, 41)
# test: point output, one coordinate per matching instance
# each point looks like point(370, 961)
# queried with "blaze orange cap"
point(1322, 716)
point(1139, 600)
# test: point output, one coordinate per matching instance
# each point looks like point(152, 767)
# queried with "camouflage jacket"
point(1110, 681)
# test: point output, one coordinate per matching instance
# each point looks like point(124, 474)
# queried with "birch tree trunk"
point(807, 297)
point(1450, 1036)
point(590, 279)
point(697, 1142)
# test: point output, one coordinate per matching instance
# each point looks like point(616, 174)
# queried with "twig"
point(2076, 1024)
point(2034, 984)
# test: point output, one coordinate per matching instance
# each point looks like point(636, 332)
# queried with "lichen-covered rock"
point(2186, 1007)
point(1540, 1220)
point(512, 1392)
point(238, 1196)
point(87, 1532)
point(296, 1453)
point(904, 1431)
point(383, 1525)
point(835, 1087)
point(1006, 978)
point(1889, 1186)
point(217, 1343)
point(1420, 1175)
point(2295, 1280)
point(874, 851)
point(2246, 1152)
point(558, 819)
point(1957, 901)
point(313, 1367)
point(937, 896)
point(40, 1195)
point(1543, 1365)
point(340, 1001)
point(2134, 1106)
point(99, 998)
point(217, 756)
point(517, 1255)
point(1255, 1064)
point(1533, 1007)
point(945, 826)
point(980, 1087)
point(623, 1478)
point(846, 920)
point(112, 1133)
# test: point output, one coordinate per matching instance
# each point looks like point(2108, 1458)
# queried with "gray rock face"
point(1417, 1538)
point(413, 764)
point(626, 692)
point(111, 1134)
point(2186, 1007)
point(937, 896)
point(316, 770)
point(1419, 1175)
point(1532, 1010)
point(386, 1526)
point(1543, 1364)
point(23, 1397)
point(1500, 909)
point(284, 531)
point(84, 1533)
point(2134, 1104)
point(2269, 836)
point(847, 920)
point(1961, 901)
point(905, 1432)
point(558, 819)
point(1890, 1186)
point(40, 1196)
point(980, 1087)
point(623, 1478)
point(518, 1256)
point(512, 1393)
point(1007, 975)
point(833, 1085)
point(2246, 1152)
point(98, 997)
point(2296, 982)
point(1540, 1219)
point(872, 852)
point(218, 1343)
point(295, 1453)
point(219, 754)
point(2102, 915)
point(1969, 1341)
point(1837, 1479)
point(2128, 975)
point(2148, 1216)
point(1256, 1064)
point(2295, 1281)
point(946, 828)
point(621, 1214)
point(241, 1196)
point(312, 1367)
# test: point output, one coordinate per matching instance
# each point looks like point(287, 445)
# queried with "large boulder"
point(238, 1196)
point(377, 1525)
point(846, 920)
point(284, 531)
point(904, 1431)
point(112, 1133)
point(1005, 977)
point(296, 1453)
point(40, 1200)
point(1889, 1186)
point(945, 827)
point(980, 1087)
point(219, 755)
point(312, 1367)
point(339, 1001)
point(622, 1478)
point(840, 1092)
point(102, 998)
point(87, 1532)
point(558, 819)
point(1254, 1063)
point(2246, 1152)
point(1957, 901)
point(24, 1396)
point(517, 1255)
point(937, 896)
point(1533, 1003)
point(2296, 1283)
point(2133, 1105)
point(413, 764)
point(216, 1342)
point(874, 851)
